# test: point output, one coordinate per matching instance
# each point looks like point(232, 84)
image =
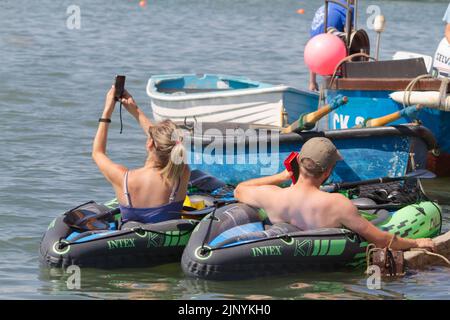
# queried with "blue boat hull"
point(363, 105)
point(368, 153)
point(297, 103)
point(366, 104)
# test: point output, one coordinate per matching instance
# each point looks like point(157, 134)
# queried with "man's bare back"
point(305, 207)
point(308, 208)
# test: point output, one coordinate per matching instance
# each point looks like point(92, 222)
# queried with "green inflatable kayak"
point(238, 241)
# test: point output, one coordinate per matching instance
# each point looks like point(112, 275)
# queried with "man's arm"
point(259, 192)
point(257, 196)
point(275, 180)
point(351, 219)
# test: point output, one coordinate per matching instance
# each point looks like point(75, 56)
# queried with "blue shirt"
point(336, 18)
point(447, 15)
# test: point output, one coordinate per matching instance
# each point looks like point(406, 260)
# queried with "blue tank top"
point(169, 211)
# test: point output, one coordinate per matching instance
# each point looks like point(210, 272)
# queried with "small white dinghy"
point(439, 66)
point(222, 98)
point(401, 55)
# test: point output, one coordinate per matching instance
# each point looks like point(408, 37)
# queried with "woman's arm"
point(113, 172)
point(134, 110)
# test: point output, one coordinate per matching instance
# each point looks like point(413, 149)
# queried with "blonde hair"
point(169, 149)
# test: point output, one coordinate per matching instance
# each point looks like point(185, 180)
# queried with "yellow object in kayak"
point(198, 205)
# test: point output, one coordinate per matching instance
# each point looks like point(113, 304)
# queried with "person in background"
point(305, 206)
point(337, 16)
point(156, 191)
point(446, 19)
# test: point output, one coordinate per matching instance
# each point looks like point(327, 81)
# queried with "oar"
point(308, 121)
point(418, 174)
point(410, 112)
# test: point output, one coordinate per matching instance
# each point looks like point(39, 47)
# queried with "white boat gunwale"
point(154, 94)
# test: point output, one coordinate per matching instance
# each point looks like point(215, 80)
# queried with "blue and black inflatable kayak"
point(91, 235)
point(101, 244)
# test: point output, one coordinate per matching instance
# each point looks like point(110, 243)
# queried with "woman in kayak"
point(156, 191)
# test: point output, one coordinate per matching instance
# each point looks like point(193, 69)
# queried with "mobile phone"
point(120, 86)
point(291, 165)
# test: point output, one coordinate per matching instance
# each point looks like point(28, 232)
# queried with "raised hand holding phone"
point(120, 88)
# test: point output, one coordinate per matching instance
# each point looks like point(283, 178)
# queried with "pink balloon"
point(323, 53)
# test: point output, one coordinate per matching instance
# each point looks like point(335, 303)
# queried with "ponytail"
point(174, 168)
point(170, 151)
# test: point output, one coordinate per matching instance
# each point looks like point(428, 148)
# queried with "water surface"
point(52, 86)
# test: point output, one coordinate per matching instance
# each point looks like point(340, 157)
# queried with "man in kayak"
point(337, 16)
point(446, 19)
point(304, 205)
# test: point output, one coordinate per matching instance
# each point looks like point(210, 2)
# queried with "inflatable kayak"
point(238, 241)
point(91, 235)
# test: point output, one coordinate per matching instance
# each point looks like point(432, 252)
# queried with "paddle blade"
point(420, 174)
point(328, 188)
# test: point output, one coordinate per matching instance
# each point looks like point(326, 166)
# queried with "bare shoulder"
point(335, 198)
point(342, 204)
point(257, 196)
point(269, 189)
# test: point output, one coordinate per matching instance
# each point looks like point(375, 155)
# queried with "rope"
point(442, 91)
point(410, 87)
point(123, 232)
point(390, 263)
point(284, 237)
point(208, 232)
point(443, 95)
point(369, 250)
point(432, 254)
point(321, 95)
point(372, 248)
point(392, 240)
point(347, 59)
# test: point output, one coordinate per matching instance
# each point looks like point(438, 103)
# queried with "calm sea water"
point(52, 86)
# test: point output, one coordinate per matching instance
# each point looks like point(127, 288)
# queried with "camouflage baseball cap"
point(322, 152)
